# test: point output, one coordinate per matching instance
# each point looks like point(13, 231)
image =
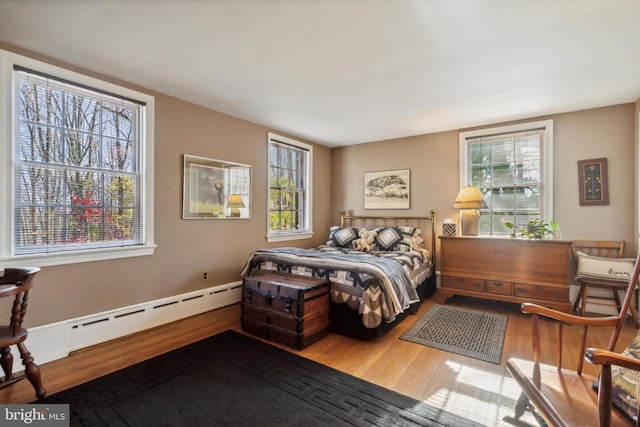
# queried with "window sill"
point(44, 260)
point(286, 237)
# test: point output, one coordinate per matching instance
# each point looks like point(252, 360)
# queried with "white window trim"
point(308, 205)
point(547, 172)
point(7, 132)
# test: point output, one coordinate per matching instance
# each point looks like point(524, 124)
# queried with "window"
point(512, 167)
point(79, 167)
point(289, 189)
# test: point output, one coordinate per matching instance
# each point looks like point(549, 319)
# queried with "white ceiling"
point(342, 72)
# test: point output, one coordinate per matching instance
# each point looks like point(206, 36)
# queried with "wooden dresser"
point(285, 308)
point(506, 269)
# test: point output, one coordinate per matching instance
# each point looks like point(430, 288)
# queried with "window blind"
point(78, 181)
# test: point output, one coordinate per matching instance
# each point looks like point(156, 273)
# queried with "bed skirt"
point(348, 322)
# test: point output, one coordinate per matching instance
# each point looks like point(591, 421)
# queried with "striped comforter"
point(380, 285)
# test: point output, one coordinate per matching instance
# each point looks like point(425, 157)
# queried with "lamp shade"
point(470, 198)
point(235, 201)
point(234, 204)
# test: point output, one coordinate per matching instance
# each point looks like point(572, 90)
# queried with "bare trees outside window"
point(77, 177)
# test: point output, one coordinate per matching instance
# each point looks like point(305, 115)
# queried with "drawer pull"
point(287, 306)
point(268, 298)
point(249, 295)
point(476, 285)
point(498, 284)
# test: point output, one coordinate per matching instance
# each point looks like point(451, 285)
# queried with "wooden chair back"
point(600, 248)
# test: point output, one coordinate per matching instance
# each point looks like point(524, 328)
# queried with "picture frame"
point(387, 189)
point(593, 182)
point(215, 189)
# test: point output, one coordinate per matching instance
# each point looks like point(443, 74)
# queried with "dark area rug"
point(234, 380)
point(469, 333)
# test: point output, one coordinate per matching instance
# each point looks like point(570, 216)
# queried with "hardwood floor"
point(471, 388)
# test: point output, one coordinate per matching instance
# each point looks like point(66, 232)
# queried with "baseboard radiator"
point(55, 341)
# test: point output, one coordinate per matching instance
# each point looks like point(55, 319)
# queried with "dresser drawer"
point(499, 287)
point(549, 293)
point(464, 283)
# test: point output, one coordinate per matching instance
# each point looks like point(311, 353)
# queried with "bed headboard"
point(394, 221)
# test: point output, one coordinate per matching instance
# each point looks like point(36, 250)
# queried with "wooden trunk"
point(285, 308)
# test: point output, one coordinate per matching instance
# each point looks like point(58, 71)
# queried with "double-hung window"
point(512, 167)
point(289, 181)
point(78, 175)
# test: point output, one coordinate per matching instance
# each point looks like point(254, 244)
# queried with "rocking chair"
point(562, 397)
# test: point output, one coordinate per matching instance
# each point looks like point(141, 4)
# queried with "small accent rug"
point(231, 379)
point(469, 333)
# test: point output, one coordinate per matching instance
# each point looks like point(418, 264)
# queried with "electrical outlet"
point(205, 275)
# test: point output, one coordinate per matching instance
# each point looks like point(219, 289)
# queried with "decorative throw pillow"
point(411, 236)
point(399, 238)
point(417, 246)
point(342, 237)
point(593, 267)
point(625, 382)
point(387, 238)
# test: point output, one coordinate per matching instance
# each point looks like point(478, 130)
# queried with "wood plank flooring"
point(471, 388)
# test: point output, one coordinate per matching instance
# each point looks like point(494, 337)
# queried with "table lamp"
point(469, 200)
point(235, 203)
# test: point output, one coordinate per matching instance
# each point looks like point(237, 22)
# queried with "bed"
point(371, 288)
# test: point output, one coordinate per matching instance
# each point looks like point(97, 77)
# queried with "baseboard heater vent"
point(57, 340)
point(128, 314)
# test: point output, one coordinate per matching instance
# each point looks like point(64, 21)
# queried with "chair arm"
point(9, 290)
point(530, 308)
point(598, 356)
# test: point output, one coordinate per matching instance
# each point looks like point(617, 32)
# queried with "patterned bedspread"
point(380, 285)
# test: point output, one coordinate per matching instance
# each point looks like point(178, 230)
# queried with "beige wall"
point(221, 247)
point(433, 160)
point(185, 247)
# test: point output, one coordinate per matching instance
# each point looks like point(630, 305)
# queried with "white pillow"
point(594, 267)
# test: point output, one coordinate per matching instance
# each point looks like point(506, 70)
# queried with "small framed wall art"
point(387, 189)
point(215, 189)
point(593, 181)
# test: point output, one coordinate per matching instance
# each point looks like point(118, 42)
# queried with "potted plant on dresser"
point(536, 229)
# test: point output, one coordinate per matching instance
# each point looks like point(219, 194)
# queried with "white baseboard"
point(56, 340)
